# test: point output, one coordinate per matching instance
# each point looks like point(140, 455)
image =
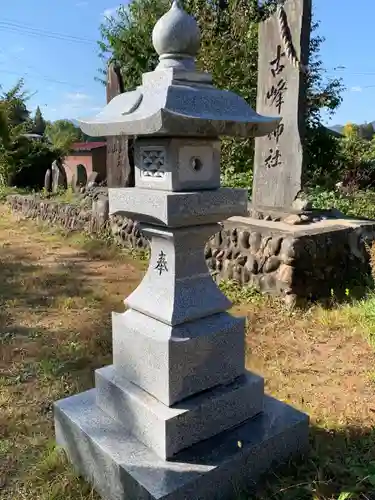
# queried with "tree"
point(350, 130)
point(229, 50)
point(16, 99)
point(62, 134)
point(366, 131)
point(39, 122)
point(14, 117)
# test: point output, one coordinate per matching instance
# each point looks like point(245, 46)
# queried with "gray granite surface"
point(178, 209)
point(178, 286)
point(122, 468)
point(282, 90)
point(168, 430)
point(173, 363)
point(177, 164)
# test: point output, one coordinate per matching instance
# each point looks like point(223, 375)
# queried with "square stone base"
point(168, 430)
point(306, 261)
point(122, 468)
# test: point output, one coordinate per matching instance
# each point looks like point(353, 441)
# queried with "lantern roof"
point(176, 99)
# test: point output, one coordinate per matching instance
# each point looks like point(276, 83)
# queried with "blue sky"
point(62, 72)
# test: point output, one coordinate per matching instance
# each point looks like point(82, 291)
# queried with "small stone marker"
point(284, 41)
point(58, 176)
point(79, 178)
point(48, 180)
point(177, 416)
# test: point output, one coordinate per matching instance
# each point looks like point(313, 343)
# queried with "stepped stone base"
point(122, 468)
point(168, 430)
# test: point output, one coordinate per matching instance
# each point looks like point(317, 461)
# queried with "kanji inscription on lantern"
point(161, 263)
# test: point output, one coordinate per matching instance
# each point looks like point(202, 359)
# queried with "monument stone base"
point(296, 262)
point(122, 468)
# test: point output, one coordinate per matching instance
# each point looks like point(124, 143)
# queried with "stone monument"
point(59, 180)
point(284, 40)
point(177, 416)
point(48, 180)
point(119, 169)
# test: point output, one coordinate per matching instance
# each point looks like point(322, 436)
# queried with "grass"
point(57, 292)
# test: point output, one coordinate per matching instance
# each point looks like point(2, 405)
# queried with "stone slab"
point(173, 363)
point(168, 430)
point(178, 286)
point(121, 467)
point(297, 262)
point(177, 209)
point(323, 226)
point(282, 83)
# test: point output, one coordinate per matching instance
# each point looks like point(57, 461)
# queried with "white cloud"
point(108, 13)
point(77, 97)
point(357, 88)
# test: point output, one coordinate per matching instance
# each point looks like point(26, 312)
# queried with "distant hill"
point(337, 128)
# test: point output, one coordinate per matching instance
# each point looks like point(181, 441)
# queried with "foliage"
point(364, 131)
point(62, 134)
point(33, 159)
point(127, 39)
point(22, 161)
point(15, 100)
point(39, 122)
point(358, 204)
point(321, 146)
point(229, 50)
point(14, 123)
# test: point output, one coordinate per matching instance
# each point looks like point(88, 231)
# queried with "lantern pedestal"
point(177, 416)
point(121, 467)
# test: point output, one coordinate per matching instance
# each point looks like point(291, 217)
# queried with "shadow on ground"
point(340, 461)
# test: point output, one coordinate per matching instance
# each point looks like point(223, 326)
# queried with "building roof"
point(88, 146)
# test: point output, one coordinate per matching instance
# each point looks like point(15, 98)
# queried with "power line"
point(32, 31)
point(47, 79)
point(40, 75)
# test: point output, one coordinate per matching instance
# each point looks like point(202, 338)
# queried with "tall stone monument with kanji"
point(177, 416)
point(120, 172)
point(284, 40)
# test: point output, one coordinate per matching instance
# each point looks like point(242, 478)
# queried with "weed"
point(317, 360)
point(240, 294)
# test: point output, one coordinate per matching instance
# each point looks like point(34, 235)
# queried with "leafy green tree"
point(39, 122)
point(33, 158)
point(62, 134)
point(14, 121)
point(366, 131)
point(22, 161)
point(16, 101)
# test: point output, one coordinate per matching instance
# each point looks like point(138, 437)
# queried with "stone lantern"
point(177, 416)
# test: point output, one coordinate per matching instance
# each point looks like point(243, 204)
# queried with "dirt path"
point(55, 300)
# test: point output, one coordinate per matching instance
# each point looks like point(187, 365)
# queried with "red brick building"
point(91, 155)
